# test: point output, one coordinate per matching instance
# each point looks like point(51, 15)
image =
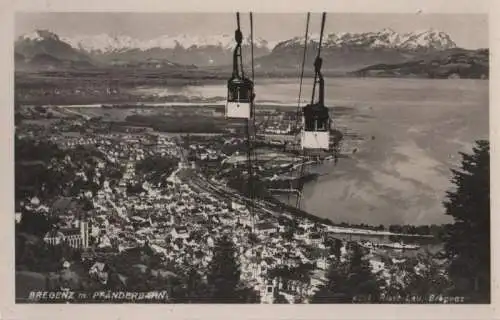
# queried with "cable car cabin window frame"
point(315, 125)
point(313, 122)
point(245, 86)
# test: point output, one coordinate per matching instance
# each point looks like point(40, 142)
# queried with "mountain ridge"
point(217, 49)
point(385, 38)
point(341, 52)
point(457, 63)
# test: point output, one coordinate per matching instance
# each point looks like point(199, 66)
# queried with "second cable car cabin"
point(240, 95)
point(315, 134)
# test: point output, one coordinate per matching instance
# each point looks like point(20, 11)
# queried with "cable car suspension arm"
point(318, 63)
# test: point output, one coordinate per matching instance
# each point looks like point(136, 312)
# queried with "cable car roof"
point(238, 80)
point(316, 107)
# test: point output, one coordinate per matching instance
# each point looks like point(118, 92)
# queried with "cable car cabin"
point(239, 98)
point(316, 127)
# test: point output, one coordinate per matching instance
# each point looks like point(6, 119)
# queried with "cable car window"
point(321, 125)
point(309, 124)
point(243, 94)
point(315, 120)
point(240, 92)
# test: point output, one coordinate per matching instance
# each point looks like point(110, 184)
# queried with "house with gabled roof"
point(180, 233)
point(265, 228)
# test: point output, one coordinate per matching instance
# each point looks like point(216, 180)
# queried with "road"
point(223, 193)
point(199, 182)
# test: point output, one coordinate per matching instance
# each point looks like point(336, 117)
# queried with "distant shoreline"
point(144, 77)
point(28, 95)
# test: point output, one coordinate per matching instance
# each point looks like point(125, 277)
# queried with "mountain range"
point(343, 52)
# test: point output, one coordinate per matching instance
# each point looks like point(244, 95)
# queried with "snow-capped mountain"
point(104, 43)
point(217, 49)
point(389, 39)
point(44, 48)
point(386, 38)
point(340, 50)
point(39, 36)
point(427, 39)
point(347, 51)
point(184, 49)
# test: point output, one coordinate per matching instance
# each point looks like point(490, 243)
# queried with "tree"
point(279, 298)
point(337, 248)
point(224, 273)
point(253, 238)
point(429, 280)
point(349, 281)
point(195, 286)
point(288, 234)
point(35, 223)
point(467, 240)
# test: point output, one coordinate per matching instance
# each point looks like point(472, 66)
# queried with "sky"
point(467, 30)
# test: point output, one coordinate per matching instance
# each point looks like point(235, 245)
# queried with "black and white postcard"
point(250, 157)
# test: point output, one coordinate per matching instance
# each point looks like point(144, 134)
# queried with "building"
point(75, 237)
point(18, 217)
point(180, 233)
point(268, 292)
point(315, 238)
point(266, 228)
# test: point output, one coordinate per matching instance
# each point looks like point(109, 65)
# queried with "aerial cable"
point(304, 56)
point(251, 44)
point(252, 101)
point(317, 69)
point(249, 123)
point(302, 69)
point(252, 114)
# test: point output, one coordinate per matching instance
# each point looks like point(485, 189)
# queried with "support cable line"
point(252, 132)
point(299, 108)
point(304, 56)
point(240, 105)
point(251, 138)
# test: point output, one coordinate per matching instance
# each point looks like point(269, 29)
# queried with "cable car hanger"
point(315, 132)
point(238, 36)
point(318, 77)
point(316, 120)
point(240, 95)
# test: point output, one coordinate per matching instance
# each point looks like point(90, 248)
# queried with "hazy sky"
point(467, 30)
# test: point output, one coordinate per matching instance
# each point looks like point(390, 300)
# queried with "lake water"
point(413, 130)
